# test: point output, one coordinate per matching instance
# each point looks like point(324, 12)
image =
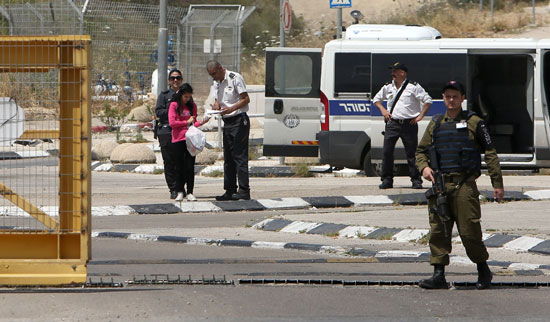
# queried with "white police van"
point(507, 81)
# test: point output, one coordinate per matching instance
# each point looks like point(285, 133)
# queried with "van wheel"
point(371, 170)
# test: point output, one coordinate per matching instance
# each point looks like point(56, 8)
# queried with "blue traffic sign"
point(340, 3)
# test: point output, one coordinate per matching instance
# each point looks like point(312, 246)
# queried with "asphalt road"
point(124, 260)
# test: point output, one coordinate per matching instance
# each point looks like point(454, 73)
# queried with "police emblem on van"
point(291, 121)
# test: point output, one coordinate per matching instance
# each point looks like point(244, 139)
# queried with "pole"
point(339, 18)
point(162, 62)
point(533, 12)
point(281, 26)
point(492, 10)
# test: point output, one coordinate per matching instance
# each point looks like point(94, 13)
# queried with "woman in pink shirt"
point(182, 114)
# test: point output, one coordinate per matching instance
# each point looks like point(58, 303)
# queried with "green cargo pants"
point(465, 210)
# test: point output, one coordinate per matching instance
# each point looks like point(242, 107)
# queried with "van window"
point(293, 74)
point(352, 73)
point(431, 71)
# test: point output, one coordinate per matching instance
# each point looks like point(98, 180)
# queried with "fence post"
point(533, 12)
point(7, 16)
point(79, 13)
point(38, 15)
point(162, 64)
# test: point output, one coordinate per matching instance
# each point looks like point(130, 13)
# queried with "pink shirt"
point(179, 122)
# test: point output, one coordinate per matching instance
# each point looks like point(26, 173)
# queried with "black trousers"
point(185, 168)
point(409, 136)
point(169, 159)
point(235, 153)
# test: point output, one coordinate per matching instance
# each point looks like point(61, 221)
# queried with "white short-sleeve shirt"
point(228, 91)
point(409, 104)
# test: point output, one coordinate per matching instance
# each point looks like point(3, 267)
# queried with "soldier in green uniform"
point(459, 137)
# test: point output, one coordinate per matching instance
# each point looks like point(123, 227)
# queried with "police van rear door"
point(292, 101)
point(543, 52)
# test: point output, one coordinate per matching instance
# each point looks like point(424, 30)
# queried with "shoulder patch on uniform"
point(231, 75)
point(165, 92)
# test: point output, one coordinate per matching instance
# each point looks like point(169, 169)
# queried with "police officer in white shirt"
point(407, 106)
point(232, 99)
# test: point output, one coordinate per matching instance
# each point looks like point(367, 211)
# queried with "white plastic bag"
point(195, 140)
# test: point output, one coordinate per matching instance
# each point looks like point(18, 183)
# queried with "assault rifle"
point(437, 191)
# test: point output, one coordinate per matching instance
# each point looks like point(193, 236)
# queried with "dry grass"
point(467, 22)
point(452, 22)
point(36, 93)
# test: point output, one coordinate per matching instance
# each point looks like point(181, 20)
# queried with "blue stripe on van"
point(367, 108)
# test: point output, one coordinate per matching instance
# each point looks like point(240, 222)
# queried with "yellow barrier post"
point(58, 251)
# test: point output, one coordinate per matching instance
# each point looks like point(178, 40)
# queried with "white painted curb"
point(282, 203)
point(356, 231)
point(270, 245)
point(522, 243)
point(300, 227)
point(369, 200)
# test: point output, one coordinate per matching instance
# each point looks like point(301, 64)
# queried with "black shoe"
point(484, 276)
point(173, 194)
point(437, 281)
point(417, 185)
point(244, 195)
point(386, 184)
point(226, 196)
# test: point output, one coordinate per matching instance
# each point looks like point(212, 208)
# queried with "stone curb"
point(285, 203)
point(508, 242)
point(15, 155)
point(254, 171)
point(371, 256)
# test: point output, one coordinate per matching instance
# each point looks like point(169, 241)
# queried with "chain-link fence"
point(125, 38)
point(211, 32)
point(45, 183)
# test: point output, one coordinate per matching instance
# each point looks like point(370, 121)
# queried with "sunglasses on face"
point(175, 77)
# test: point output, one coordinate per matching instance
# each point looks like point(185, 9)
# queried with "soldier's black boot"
point(484, 276)
point(437, 281)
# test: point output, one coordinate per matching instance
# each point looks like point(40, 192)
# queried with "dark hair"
point(184, 89)
point(175, 70)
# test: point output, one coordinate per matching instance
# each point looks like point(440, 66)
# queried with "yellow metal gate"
point(45, 174)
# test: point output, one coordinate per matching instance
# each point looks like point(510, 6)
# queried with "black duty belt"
point(232, 119)
point(402, 121)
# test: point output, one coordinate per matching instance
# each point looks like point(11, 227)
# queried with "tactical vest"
point(455, 151)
